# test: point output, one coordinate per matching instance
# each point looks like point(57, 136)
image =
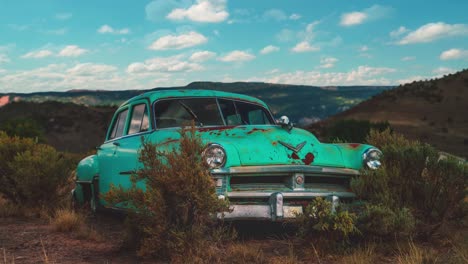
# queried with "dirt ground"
point(29, 240)
point(33, 240)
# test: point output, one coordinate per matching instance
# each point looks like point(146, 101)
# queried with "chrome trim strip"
point(285, 169)
point(301, 194)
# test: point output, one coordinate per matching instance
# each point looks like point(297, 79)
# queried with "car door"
point(126, 148)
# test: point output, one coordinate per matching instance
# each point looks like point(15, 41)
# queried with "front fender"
point(87, 169)
point(352, 154)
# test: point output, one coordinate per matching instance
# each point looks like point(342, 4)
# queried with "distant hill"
point(66, 126)
point(303, 104)
point(433, 111)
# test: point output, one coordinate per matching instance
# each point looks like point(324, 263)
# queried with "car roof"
point(162, 93)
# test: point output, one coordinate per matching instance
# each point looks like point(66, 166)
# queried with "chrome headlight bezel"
point(214, 156)
point(371, 158)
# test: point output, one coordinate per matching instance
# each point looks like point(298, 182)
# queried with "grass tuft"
point(66, 220)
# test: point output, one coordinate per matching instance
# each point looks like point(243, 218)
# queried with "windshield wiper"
point(190, 111)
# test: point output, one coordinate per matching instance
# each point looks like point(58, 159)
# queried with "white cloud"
point(72, 51)
point(63, 16)
point(181, 41)
point(304, 46)
point(62, 77)
point(442, 71)
point(163, 65)
point(353, 18)
point(4, 58)
point(274, 14)
point(408, 58)
point(106, 29)
point(201, 56)
point(237, 56)
point(285, 35)
point(328, 62)
point(358, 17)
point(89, 69)
point(454, 54)
point(363, 75)
point(157, 10)
point(364, 48)
point(295, 16)
point(269, 49)
point(38, 54)
point(398, 32)
point(208, 11)
point(434, 31)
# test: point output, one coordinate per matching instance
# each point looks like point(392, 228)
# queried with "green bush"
point(379, 220)
point(352, 130)
point(175, 215)
point(31, 174)
point(319, 217)
point(23, 127)
point(413, 176)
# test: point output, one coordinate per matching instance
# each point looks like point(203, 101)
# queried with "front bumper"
point(259, 199)
point(275, 210)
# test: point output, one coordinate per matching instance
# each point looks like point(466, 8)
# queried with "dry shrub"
point(413, 181)
point(174, 217)
point(318, 217)
point(33, 175)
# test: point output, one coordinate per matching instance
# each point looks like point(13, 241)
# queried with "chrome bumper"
point(275, 210)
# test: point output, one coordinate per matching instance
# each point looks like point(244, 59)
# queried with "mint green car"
point(268, 169)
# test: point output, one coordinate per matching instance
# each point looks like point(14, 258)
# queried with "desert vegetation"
point(412, 210)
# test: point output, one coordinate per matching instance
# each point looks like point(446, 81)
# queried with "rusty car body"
point(267, 169)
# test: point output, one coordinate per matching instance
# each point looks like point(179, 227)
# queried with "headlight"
point(214, 156)
point(371, 158)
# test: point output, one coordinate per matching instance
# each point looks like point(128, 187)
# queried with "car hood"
point(272, 145)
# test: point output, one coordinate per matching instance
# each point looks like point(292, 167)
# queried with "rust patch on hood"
point(309, 158)
point(354, 145)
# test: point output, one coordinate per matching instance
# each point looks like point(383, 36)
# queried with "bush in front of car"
point(414, 177)
point(175, 215)
point(319, 217)
point(32, 175)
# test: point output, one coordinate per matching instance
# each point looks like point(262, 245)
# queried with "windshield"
point(209, 112)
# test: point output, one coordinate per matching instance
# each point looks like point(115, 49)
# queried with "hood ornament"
point(295, 149)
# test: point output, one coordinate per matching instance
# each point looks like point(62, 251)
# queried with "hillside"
point(303, 104)
point(66, 126)
point(433, 111)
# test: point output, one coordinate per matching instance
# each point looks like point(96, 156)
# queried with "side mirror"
point(285, 123)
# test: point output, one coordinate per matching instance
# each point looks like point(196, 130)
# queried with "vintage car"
point(267, 169)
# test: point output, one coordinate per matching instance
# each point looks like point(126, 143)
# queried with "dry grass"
point(5, 259)
point(361, 255)
point(244, 253)
point(10, 210)
point(415, 254)
point(66, 220)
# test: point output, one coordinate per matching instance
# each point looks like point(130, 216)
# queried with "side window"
point(139, 122)
point(119, 125)
point(230, 114)
point(258, 117)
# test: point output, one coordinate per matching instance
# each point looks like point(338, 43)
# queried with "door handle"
point(116, 144)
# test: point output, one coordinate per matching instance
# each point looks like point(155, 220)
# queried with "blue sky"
point(115, 45)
